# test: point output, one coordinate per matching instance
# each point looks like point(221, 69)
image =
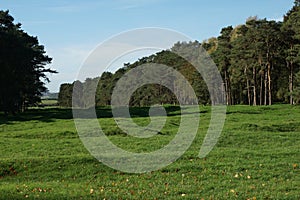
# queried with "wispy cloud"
point(127, 7)
point(132, 4)
point(65, 8)
point(38, 22)
point(73, 7)
point(76, 6)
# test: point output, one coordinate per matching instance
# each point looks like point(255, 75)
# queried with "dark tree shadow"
point(52, 114)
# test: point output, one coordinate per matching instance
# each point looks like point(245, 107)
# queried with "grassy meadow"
point(256, 157)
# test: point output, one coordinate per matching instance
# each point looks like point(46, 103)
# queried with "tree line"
point(22, 63)
point(259, 62)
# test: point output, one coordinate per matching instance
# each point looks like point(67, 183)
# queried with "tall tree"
point(222, 58)
point(240, 61)
point(22, 62)
point(256, 50)
point(271, 37)
point(291, 30)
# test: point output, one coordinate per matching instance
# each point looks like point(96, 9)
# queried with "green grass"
point(49, 101)
point(257, 157)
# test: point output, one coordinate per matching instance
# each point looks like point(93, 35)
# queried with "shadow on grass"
point(45, 115)
point(249, 110)
point(52, 114)
point(137, 112)
point(284, 127)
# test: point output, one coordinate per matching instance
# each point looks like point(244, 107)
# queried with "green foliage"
point(22, 62)
point(146, 95)
point(65, 95)
point(221, 57)
point(291, 31)
point(296, 92)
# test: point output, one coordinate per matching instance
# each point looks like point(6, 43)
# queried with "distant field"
point(257, 157)
point(49, 102)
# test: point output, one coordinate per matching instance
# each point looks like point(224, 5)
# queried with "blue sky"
point(71, 29)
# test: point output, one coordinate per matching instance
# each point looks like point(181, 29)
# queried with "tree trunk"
point(261, 81)
point(254, 87)
point(269, 84)
point(248, 90)
point(291, 84)
point(230, 94)
point(227, 90)
point(23, 108)
point(261, 90)
point(265, 96)
point(248, 87)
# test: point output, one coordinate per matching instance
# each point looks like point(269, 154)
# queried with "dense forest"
point(22, 62)
point(259, 62)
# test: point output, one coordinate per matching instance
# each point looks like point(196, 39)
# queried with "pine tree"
point(22, 62)
point(291, 30)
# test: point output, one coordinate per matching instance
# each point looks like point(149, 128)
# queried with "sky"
point(71, 29)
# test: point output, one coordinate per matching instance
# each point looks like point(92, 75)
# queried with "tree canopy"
point(22, 62)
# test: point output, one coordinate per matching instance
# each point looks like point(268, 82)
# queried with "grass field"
point(256, 157)
point(48, 102)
